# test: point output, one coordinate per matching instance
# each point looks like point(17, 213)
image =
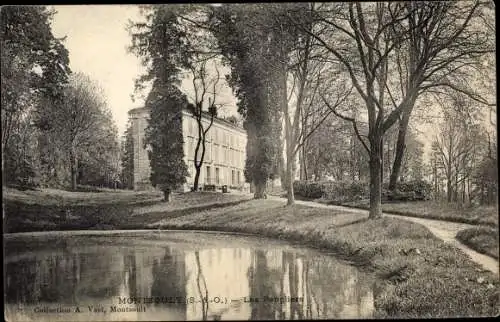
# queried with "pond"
point(172, 275)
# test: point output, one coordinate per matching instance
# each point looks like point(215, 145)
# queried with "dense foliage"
point(346, 191)
point(164, 137)
point(160, 43)
point(127, 159)
point(34, 67)
point(40, 144)
point(250, 44)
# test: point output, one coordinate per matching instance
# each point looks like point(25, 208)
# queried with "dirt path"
point(444, 230)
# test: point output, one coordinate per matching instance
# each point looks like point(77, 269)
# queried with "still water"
point(167, 275)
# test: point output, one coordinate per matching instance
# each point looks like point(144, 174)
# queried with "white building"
point(225, 153)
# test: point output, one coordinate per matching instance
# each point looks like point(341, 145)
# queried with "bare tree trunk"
point(463, 192)
point(375, 178)
point(351, 153)
point(289, 175)
point(196, 177)
point(303, 164)
point(436, 186)
point(449, 190)
point(260, 190)
point(74, 168)
point(400, 150)
point(455, 192)
point(166, 195)
point(382, 160)
point(469, 194)
point(282, 171)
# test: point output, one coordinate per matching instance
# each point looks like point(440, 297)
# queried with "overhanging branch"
point(350, 119)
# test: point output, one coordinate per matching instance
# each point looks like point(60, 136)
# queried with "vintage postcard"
point(251, 161)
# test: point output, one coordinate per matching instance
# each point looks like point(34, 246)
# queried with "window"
point(191, 126)
point(207, 177)
point(190, 150)
point(208, 152)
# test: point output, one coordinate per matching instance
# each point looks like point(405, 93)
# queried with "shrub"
point(308, 189)
point(336, 191)
point(342, 191)
point(347, 191)
point(409, 191)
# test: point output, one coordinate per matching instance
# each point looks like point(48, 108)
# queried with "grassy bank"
point(481, 215)
point(419, 275)
point(482, 239)
point(51, 209)
point(57, 197)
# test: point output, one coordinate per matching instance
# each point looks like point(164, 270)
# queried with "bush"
point(336, 191)
point(409, 191)
point(347, 191)
point(308, 189)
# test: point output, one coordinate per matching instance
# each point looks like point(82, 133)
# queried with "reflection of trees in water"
point(61, 277)
point(308, 293)
point(201, 278)
point(282, 286)
point(130, 262)
point(21, 282)
point(336, 285)
point(100, 276)
point(296, 308)
point(65, 277)
point(169, 276)
point(169, 282)
point(325, 286)
point(261, 283)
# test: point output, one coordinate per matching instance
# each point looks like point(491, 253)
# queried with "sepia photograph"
point(249, 161)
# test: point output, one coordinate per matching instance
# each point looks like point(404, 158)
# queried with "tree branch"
point(350, 119)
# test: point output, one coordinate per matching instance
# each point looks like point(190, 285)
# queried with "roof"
point(204, 113)
point(137, 109)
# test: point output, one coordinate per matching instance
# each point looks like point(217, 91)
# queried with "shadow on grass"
point(21, 217)
point(484, 240)
point(359, 221)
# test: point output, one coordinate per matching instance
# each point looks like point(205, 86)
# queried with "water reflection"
point(200, 279)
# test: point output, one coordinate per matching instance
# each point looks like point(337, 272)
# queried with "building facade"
point(225, 152)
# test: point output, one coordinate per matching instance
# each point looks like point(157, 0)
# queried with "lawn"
point(418, 275)
point(480, 215)
point(482, 239)
point(57, 197)
point(52, 209)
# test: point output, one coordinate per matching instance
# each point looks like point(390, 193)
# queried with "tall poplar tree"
point(164, 136)
point(159, 42)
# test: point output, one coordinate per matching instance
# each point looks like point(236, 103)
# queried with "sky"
point(97, 42)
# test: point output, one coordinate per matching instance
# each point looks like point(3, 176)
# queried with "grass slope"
point(484, 240)
point(483, 215)
point(51, 209)
point(419, 275)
